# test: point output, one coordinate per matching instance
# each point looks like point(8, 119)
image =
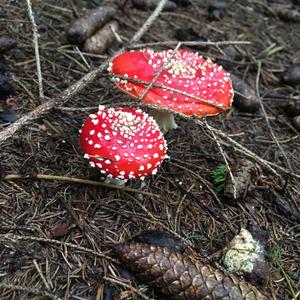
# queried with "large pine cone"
point(182, 276)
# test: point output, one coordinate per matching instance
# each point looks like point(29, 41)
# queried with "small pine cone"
point(181, 276)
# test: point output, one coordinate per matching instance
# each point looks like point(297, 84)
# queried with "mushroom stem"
point(115, 181)
point(165, 120)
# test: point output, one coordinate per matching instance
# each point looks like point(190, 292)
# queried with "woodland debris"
point(182, 3)
point(281, 203)
point(59, 229)
point(11, 103)
point(216, 9)
point(7, 43)
point(296, 122)
point(108, 293)
point(181, 276)
point(230, 54)
point(289, 14)
point(245, 255)
point(8, 116)
point(3, 67)
point(3, 13)
point(292, 108)
point(6, 87)
point(291, 75)
point(87, 25)
point(151, 4)
point(186, 34)
point(102, 39)
point(245, 173)
point(245, 98)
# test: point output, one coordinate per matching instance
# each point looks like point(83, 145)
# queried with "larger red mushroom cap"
point(123, 143)
point(205, 87)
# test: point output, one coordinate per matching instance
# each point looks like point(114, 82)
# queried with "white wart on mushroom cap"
point(123, 143)
point(206, 88)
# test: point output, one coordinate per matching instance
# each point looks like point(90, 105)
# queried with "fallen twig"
point(267, 119)
point(189, 43)
point(77, 180)
point(240, 148)
point(163, 67)
point(148, 22)
point(36, 49)
point(41, 274)
point(76, 87)
point(167, 88)
point(224, 157)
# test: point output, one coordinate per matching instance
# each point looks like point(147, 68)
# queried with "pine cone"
point(182, 276)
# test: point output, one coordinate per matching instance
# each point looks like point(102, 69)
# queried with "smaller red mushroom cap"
point(205, 87)
point(123, 143)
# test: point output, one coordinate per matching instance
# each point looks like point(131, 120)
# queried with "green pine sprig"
point(219, 176)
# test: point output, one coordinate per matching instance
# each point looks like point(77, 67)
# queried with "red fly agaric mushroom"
point(123, 143)
point(187, 83)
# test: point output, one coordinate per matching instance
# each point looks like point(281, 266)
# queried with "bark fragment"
point(102, 39)
point(87, 25)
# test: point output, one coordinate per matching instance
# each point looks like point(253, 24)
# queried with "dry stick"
point(266, 117)
point(163, 67)
point(41, 274)
point(167, 88)
point(148, 22)
point(28, 290)
point(12, 237)
point(36, 48)
point(247, 152)
point(76, 87)
point(82, 57)
point(189, 43)
point(225, 159)
point(52, 103)
point(78, 180)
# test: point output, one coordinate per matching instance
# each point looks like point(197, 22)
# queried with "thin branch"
point(75, 88)
point(78, 180)
point(167, 88)
point(240, 148)
point(225, 159)
point(267, 119)
point(41, 274)
point(52, 103)
point(148, 22)
point(163, 67)
point(36, 49)
point(189, 43)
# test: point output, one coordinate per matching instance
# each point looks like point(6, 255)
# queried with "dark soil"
point(95, 217)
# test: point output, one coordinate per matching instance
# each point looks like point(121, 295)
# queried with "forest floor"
point(56, 236)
